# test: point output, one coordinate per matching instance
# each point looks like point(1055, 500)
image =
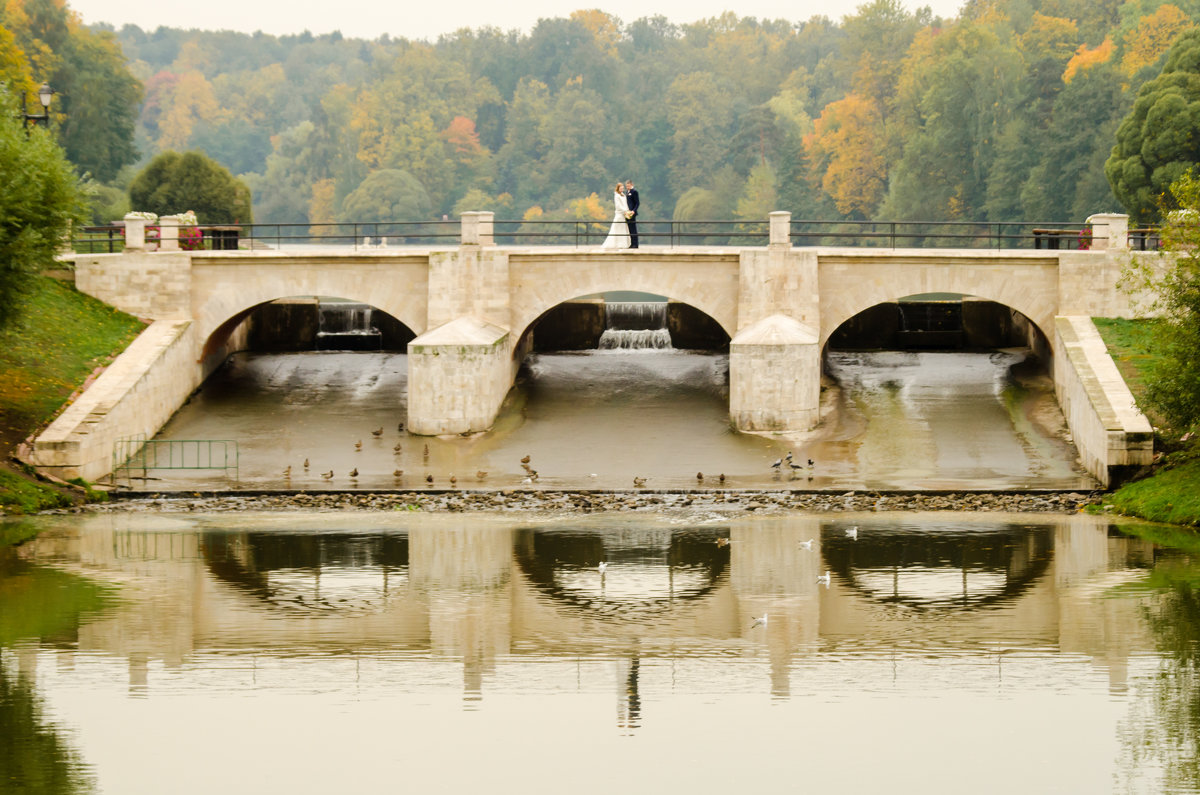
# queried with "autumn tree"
point(1156, 143)
point(845, 155)
point(97, 98)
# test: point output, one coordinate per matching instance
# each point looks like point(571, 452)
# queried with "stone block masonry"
point(470, 306)
point(137, 394)
point(1111, 434)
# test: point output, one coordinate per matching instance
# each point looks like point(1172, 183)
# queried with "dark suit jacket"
point(631, 199)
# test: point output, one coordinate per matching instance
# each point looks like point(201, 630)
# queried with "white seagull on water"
point(824, 579)
point(759, 620)
point(806, 544)
point(852, 533)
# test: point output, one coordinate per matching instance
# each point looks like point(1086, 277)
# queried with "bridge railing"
point(586, 233)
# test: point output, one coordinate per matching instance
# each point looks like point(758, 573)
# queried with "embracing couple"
point(623, 232)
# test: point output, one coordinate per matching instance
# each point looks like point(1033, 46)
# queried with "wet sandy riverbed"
point(597, 420)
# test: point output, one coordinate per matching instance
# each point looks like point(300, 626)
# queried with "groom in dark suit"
point(631, 198)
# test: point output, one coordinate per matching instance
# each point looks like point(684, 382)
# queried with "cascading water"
point(346, 326)
point(639, 325)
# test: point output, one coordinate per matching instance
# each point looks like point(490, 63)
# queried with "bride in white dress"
point(618, 233)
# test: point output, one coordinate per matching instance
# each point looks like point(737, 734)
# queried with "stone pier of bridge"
point(473, 305)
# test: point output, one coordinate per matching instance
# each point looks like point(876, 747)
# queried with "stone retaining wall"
point(1113, 437)
point(137, 394)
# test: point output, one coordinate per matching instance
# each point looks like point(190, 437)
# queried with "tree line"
point(1008, 111)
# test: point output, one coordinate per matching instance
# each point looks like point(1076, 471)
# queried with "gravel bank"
point(542, 501)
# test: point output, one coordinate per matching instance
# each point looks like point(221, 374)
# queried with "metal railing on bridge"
point(137, 454)
point(373, 236)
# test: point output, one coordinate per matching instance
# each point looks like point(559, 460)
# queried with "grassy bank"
point(59, 339)
point(1172, 492)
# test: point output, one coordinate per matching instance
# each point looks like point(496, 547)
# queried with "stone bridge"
point(471, 307)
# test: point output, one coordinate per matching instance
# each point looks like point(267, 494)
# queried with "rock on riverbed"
point(543, 501)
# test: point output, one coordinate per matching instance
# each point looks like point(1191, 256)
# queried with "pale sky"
point(426, 20)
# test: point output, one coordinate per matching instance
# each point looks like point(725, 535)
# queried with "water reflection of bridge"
point(485, 593)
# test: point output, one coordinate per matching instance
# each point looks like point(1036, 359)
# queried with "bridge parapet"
point(470, 304)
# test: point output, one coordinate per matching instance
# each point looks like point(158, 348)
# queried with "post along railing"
point(1100, 231)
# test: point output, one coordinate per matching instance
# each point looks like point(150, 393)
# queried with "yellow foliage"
point(587, 209)
point(1049, 36)
point(1086, 58)
point(14, 69)
point(603, 27)
point(193, 57)
point(191, 100)
point(533, 213)
point(320, 206)
point(1152, 37)
point(845, 153)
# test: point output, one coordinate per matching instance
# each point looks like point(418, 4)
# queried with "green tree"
point(1173, 381)
point(700, 113)
point(39, 200)
point(1157, 142)
point(387, 195)
point(100, 101)
point(97, 98)
point(175, 183)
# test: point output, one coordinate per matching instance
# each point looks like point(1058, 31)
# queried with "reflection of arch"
point(708, 282)
point(856, 283)
point(247, 560)
point(545, 556)
point(1019, 553)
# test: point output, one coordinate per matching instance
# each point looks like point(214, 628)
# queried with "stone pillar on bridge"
point(461, 369)
point(1109, 231)
point(168, 233)
point(135, 232)
point(775, 357)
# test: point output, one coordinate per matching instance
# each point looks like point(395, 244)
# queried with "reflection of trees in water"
point(1164, 727)
point(34, 758)
point(48, 606)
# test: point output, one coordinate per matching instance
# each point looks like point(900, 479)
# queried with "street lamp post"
point(45, 93)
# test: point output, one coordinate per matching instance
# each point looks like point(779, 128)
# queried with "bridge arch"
point(939, 321)
point(849, 285)
point(224, 290)
point(222, 341)
point(708, 283)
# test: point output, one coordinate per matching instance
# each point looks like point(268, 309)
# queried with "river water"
point(343, 652)
point(598, 419)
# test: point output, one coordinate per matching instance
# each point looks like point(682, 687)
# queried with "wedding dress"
point(618, 233)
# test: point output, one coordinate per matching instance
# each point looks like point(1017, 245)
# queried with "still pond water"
point(340, 652)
